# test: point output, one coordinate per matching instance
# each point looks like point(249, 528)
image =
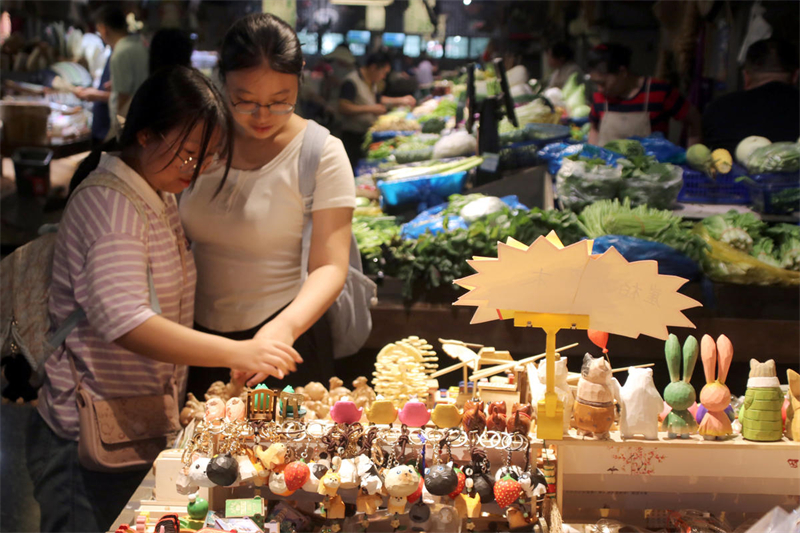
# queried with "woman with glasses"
point(112, 249)
point(246, 231)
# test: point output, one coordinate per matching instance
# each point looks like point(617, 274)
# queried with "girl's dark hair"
point(609, 57)
point(561, 50)
point(178, 97)
point(170, 47)
point(261, 38)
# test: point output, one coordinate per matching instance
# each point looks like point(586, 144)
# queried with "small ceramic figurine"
point(641, 405)
point(479, 482)
point(793, 411)
point(382, 412)
point(345, 412)
point(371, 482)
point(594, 406)
point(273, 456)
point(363, 395)
point(679, 394)
point(446, 416)
point(414, 414)
point(441, 480)
point(215, 410)
point(760, 415)
point(296, 474)
point(234, 409)
point(329, 484)
point(223, 470)
point(715, 395)
point(520, 419)
point(474, 418)
point(316, 472)
point(496, 421)
point(198, 473)
point(537, 377)
point(277, 484)
point(401, 482)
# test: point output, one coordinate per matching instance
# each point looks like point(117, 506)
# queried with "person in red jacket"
point(626, 104)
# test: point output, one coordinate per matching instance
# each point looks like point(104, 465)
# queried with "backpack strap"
point(310, 154)
point(109, 181)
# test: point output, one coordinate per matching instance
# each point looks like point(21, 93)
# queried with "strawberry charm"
point(296, 474)
point(462, 481)
point(507, 491)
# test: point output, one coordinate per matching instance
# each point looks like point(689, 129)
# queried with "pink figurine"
point(215, 410)
point(234, 409)
point(345, 412)
point(414, 414)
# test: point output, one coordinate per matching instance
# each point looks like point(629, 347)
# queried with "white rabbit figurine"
point(537, 377)
point(641, 404)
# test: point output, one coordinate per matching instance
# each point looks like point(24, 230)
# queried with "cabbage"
point(555, 95)
point(571, 85)
point(576, 98)
point(776, 157)
point(582, 111)
point(456, 144)
point(747, 146)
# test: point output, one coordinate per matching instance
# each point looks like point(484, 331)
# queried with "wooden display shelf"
point(743, 479)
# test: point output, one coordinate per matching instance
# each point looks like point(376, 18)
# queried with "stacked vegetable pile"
point(572, 98)
point(743, 250)
point(582, 180)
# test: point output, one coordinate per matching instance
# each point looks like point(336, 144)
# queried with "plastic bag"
point(579, 184)
point(432, 220)
point(726, 264)
point(671, 262)
point(776, 157)
point(663, 150)
point(654, 189)
point(426, 190)
point(554, 154)
point(456, 144)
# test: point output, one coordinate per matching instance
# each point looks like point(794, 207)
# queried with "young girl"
point(247, 231)
point(177, 125)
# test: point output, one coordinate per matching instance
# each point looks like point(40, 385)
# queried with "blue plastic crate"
point(430, 190)
point(775, 194)
point(699, 188)
point(379, 136)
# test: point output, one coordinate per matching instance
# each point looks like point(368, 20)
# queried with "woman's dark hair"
point(111, 16)
point(170, 47)
point(609, 57)
point(181, 98)
point(561, 50)
point(261, 38)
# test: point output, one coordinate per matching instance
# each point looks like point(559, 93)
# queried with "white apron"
point(617, 125)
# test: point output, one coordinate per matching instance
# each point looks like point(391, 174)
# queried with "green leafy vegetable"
point(625, 147)
point(776, 157)
point(738, 230)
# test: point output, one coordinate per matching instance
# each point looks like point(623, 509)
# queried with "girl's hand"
point(261, 357)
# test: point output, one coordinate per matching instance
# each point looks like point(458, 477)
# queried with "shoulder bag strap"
point(310, 154)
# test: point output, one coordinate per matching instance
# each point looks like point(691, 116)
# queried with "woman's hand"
point(262, 357)
point(280, 339)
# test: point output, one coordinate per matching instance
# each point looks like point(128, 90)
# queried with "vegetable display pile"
point(394, 122)
point(776, 157)
point(646, 181)
point(612, 217)
point(625, 147)
point(433, 168)
point(742, 249)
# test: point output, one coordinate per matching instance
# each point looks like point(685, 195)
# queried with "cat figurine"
point(594, 407)
point(474, 418)
point(760, 414)
point(793, 410)
point(537, 377)
point(496, 421)
point(641, 405)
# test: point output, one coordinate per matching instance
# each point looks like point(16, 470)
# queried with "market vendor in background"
point(128, 65)
point(626, 104)
point(361, 103)
point(560, 58)
point(769, 105)
point(247, 231)
point(101, 116)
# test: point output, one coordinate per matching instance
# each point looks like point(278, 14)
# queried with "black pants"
point(352, 145)
point(71, 498)
point(314, 346)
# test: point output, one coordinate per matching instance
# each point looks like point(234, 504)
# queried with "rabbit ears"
point(722, 350)
point(672, 349)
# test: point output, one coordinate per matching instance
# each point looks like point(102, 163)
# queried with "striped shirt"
point(100, 264)
point(665, 102)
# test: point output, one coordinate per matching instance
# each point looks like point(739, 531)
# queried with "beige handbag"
point(126, 433)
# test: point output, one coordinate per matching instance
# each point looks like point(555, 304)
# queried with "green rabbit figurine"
point(679, 394)
point(760, 414)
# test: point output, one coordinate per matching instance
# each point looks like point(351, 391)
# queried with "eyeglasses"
point(251, 108)
point(188, 166)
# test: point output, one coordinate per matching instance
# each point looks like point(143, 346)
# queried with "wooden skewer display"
point(573, 377)
point(511, 364)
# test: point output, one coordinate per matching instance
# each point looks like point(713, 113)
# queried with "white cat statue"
point(641, 404)
point(537, 377)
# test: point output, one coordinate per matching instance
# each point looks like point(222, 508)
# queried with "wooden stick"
point(615, 370)
point(461, 343)
point(447, 370)
point(575, 376)
point(511, 364)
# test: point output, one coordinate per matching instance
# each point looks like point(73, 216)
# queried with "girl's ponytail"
point(90, 162)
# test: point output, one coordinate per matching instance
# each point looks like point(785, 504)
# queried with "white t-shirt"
point(129, 67)
point(247, 241)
